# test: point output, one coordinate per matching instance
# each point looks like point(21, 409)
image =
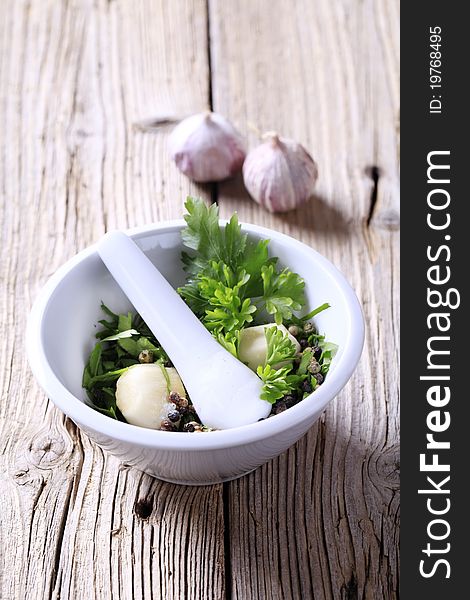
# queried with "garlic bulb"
point(206, 147)
point(253, 347)
point(279, 174)
point(142, 393)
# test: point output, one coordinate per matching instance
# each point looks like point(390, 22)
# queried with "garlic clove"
point(253, 347)
point(142, 393)
point(279, 174)
point(206, 147)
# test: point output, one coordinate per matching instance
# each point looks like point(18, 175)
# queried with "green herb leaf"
point(130, 346)
point(94, 362)
point(119, 336)
point(226, 310)
point(166, 376)
point(310, 315)
point(305, 359)
point(328, 352)
point(193, 298)
point(276, 382)
point(125, 322)
point(283, 292)
point(255, 257)
point(234, 243)
point(110, 411)
point(280, 348)
point(107, 377)
point(109, 312)
point(204, 235)
point(229, 341)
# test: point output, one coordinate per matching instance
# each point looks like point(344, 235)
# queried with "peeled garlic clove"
point(142, 393)
point(206, 147)
point(253, 347)
point(279, 174)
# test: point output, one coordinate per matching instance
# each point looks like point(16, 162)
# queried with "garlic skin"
point(279, 174)
point(206, 147)
point(253, 347)
point(142, 394)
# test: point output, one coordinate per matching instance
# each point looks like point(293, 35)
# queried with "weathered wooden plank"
point(321, 521)
point(75, 77)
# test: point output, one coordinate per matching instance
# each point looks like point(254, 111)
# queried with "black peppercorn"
point(182, 403)
point(193, 426)
point(279, 407)
point(289, 400)
point(174, 397)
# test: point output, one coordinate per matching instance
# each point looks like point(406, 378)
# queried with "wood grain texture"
point(77, 80)
point(321, 521)
point(74, 77)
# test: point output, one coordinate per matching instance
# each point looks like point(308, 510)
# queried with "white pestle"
point(224, 391)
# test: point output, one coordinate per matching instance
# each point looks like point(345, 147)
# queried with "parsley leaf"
point(283, 292)
point(280, 348)
point(256, 256)
point(227, 310)
point(328, 352)
point(229, 341)
point(193, 297)
point(305, 360)
point(276, 382)
point(211, 243)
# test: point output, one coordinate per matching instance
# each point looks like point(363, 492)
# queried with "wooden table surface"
point(76, 79)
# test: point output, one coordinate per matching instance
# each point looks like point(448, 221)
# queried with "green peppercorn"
point(309, 327)
point(146, 356)
point(294, 330)
point(314, 366)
